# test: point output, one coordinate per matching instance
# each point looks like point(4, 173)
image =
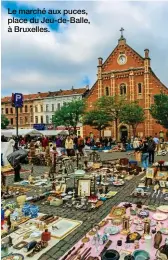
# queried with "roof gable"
point(134, 59)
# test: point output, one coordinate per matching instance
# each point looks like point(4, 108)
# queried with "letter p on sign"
point(18, 99)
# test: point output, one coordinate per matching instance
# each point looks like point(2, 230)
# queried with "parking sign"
point(17, 100)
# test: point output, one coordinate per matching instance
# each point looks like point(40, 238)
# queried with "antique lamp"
point(146, 226)
point(125, 224)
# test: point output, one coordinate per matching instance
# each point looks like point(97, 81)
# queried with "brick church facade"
point(127, 73)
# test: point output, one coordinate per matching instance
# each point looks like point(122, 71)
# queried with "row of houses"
point(38, 109)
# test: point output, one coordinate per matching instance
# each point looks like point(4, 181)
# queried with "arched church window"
point(123, 89)
point(139, 88)
point(107, 91)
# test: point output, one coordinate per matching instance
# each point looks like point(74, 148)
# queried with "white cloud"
point(33, 62)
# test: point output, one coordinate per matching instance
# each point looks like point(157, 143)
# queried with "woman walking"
point(145, 154)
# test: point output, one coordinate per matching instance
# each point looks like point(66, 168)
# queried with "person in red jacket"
point(45, 143)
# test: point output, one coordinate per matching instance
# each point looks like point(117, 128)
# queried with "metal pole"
point(17, 124)
point(116, 126)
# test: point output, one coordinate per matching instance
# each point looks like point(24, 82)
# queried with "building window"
point(11, 121)
point(36, 109)
point(21, 121)
point(21, 110)
point(139, 88)
point(47, 119)
point(46, 108)
point(107, 91)
point(25, 108)
point(2, 110)
point(31, 119)
point(26, 119)
point(41, 108)
point(123, 89)
point(41, 119)
point(36, 119)
point(11, 110)
point(6, 110)
point(31, 109)
point(52, 107)
point(58, 106)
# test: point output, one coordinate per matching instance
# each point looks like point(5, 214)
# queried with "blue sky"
point(67, 56)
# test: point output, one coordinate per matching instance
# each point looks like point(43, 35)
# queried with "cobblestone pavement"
point(89, 218)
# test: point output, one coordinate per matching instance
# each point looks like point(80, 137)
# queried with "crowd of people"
point(70, 143)
point(145, 149)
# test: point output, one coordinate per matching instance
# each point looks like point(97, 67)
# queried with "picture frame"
point(69, 166)
point(162, 175)
point(150, 173)
point(84, 187)
point(162, 184)
point(64, 227)
point(63, 188)
point(58, 188)
point(117, 212)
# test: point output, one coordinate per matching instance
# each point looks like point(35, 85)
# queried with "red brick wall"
point(122, 71)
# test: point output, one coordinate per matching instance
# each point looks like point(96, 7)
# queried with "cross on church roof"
point(121, 30)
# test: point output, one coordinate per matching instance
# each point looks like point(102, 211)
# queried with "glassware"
point(96, 241)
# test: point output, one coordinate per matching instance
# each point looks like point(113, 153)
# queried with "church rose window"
point(123, 89)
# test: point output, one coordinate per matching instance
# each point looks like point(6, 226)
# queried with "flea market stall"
point(21, 132)
point(130, 230)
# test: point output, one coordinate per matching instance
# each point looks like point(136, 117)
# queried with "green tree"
point(132, 114)
point(4, 122)
point(159, 110)
point(97, 119)
point(69, 115)
point(111, 105)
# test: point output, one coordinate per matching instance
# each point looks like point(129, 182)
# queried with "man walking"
point(151, 150)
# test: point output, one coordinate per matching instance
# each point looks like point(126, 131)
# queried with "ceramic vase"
point(110, 255)
point(34, 211)
point(26, 210)
point(157, 240)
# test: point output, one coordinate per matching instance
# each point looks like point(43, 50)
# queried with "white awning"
point(54, 132)
point(22, 132)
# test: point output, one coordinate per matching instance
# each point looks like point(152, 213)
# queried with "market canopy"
point(22, 132)
point(54, 132)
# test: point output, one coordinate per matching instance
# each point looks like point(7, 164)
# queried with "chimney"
point(146, 53)
point(100, 61)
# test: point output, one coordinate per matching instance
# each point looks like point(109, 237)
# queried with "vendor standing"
point(45, 143)
point(69, 146)
point(15, 160)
